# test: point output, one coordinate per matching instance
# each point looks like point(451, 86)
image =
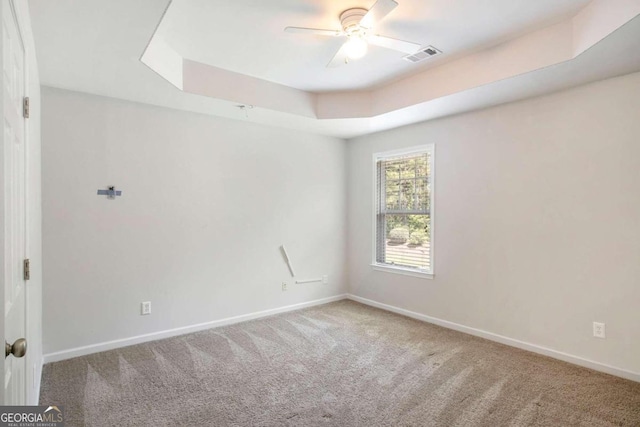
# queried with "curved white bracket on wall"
point(288, 260)
point(300, 282)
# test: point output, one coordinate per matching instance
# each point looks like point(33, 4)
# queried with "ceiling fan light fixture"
point(356, 47)
point(357, 26)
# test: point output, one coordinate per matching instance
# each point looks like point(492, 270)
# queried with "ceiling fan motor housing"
point(350, 20)
point(357, 26)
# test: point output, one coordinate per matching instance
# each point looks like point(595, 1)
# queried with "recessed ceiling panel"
point(501, 56)
point(247, 37)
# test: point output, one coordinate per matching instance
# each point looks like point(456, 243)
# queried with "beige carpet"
point(341, 364)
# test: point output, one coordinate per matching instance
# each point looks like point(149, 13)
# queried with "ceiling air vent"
point(422, 54)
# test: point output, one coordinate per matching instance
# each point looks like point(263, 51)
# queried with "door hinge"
point(27, 269)
point(25, 107)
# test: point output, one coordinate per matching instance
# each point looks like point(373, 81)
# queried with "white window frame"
point(407, 271)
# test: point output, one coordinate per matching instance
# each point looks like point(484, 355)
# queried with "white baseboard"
point(110, 345)
point(576, 360)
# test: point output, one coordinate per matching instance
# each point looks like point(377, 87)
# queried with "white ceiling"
point(95, 46)
point(247, 37)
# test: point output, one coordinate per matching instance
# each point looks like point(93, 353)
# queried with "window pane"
point(422, 166)
point(422, 195)
point(407, 243)
point(406, 184)
point(403, 224)
point(393, 197)
point(392, 171)
point(407, 195)
point(407, 169)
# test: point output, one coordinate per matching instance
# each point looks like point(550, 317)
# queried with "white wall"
point(537, 221)
point(206, 204)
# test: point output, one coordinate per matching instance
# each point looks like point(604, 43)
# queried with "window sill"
point(403, 271)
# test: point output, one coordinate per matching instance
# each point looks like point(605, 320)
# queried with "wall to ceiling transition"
point(537, 221)
point(206, 204)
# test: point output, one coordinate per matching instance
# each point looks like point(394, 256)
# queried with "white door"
point(13, 81)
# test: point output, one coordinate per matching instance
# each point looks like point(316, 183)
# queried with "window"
point(403, 211)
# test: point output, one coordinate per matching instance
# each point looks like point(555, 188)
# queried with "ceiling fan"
point(357, 27)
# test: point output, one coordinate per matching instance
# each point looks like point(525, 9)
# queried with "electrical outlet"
point(599, 330)
point(325, 280)
point(145, 308)
point(284, 286)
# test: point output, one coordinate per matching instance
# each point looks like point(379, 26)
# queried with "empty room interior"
point(321, 212)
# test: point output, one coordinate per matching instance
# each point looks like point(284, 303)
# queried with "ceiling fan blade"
point(377, 12)
point(394, 44)
point(313, 31)
point(340, 58)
